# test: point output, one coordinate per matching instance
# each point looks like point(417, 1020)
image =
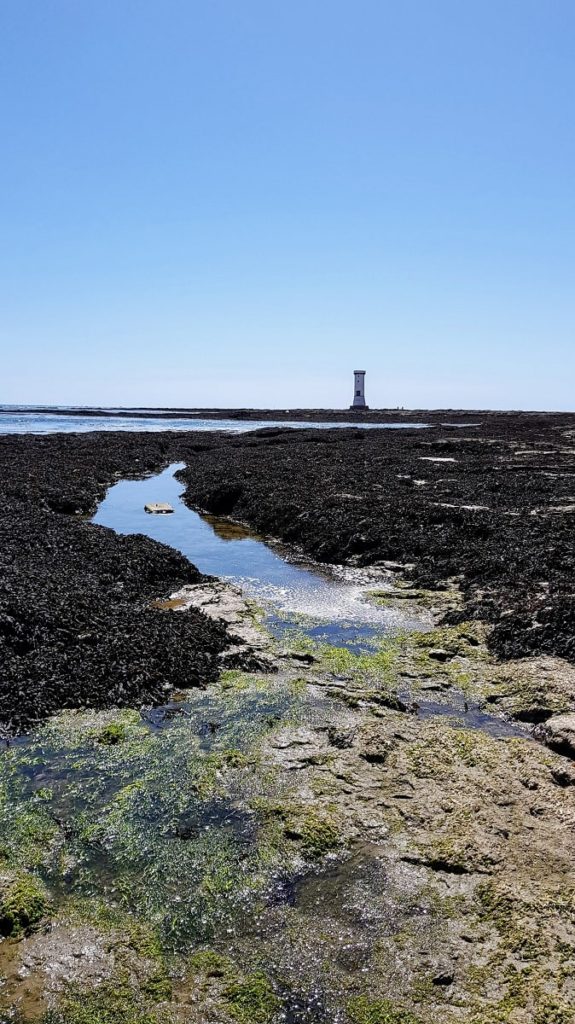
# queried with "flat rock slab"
point(226, 603)
point(45, 964)
point(158, 508)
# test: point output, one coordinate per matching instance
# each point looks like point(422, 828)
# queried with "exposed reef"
point(485, 512)
point(296, 845)
point(221, 827)
point(491, 508)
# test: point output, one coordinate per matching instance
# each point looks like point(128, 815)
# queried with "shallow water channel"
point(325, 604)
point(328, 604)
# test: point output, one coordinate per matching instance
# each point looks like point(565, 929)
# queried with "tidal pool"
point(330, 604)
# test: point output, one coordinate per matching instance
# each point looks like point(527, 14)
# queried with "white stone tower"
point(359, 390)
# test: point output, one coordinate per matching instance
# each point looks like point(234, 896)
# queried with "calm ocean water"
point(55, 421)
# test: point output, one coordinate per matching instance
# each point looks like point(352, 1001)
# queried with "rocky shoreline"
point(489, 510)
point(296, 842)
point(310, 415)
point(224, 828)
point(448, 417)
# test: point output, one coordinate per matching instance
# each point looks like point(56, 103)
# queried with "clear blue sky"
point(237, 202)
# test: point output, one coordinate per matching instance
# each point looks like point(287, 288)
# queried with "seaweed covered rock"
point(23, 903)
point(76, 623)
point(488, 508)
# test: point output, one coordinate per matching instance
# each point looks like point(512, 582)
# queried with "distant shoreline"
point(309, 415)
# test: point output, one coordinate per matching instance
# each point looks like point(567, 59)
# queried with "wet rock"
point(443, 977)
point(295, 738)
point(67, 955)
point(296, 749)
point(373, 744)
point(532, 689)
point(393, 702)
point(303, 656)
point(438, 654)
point(444, 864)
point(341, 738)
point(559, 734)
point(251, 647)
point(73, 958)
point(563, 777)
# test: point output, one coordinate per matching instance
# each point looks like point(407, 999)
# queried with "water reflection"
point(227, 530)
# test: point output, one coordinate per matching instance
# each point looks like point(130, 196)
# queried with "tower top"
point(359, 371)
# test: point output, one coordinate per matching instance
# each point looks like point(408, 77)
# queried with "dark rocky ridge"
point(75, 626)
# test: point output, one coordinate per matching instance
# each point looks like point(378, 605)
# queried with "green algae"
point(465, 638)
point(530, 959)
point(113, 733)
point(109, 1003)
point(526, 695)
point(30, 837)
point(210, 963)
point(162, 823)
point(363, 1010)
point(77, 729)
point(342, 661)
point(23, 904)
point(247, 998)
point(442, 749)
point(393, 596)
point(252, 999)
point(318, 833)
point(456, 853)
point(403, 594)
point(237, 679)
point(525, 1000)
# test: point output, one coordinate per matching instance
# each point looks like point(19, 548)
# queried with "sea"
point(73, 420)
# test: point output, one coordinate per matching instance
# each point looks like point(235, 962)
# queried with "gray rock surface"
point(559, 734)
